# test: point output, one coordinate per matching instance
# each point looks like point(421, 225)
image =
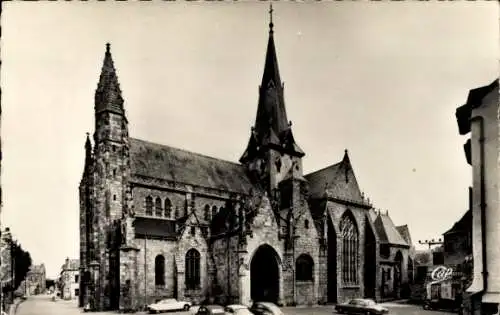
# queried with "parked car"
point(361, 306)
point(168, 305)
point(265, 308)
point(210, 310)
point(237, 309)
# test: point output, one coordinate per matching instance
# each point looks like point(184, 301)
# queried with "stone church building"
point(158, 221)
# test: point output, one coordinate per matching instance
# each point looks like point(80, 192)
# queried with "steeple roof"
point(108, 96)
point(272, 127)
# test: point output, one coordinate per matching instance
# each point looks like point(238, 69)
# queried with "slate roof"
point(152, 227)
point(173, 164)
point(405, 233)
point(462, 225)
point(338, 179)
point(387, 232)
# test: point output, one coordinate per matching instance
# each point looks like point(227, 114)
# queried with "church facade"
point(158, 221)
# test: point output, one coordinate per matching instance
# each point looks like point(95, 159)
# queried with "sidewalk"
point(14, 306)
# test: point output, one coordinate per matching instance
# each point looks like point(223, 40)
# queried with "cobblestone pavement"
point(42, 305)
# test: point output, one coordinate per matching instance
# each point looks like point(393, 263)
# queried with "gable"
point(387, 232)
point(405, 233)
point(172, 164)
point(337, 180)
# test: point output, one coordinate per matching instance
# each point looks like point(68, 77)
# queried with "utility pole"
point(431, 242)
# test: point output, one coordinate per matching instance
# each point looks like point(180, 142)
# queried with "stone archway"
point(265, 275)
point(398, 274)
point(370, 263)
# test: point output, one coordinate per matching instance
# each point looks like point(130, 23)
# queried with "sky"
point(380, 79)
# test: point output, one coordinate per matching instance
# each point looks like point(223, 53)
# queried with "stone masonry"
point(161, 222)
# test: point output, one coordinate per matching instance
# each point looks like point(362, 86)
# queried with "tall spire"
point(272, 127)
point(271, 113)
point(108, 94)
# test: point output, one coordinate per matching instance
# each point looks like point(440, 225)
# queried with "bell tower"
point(110, 138)
point(272, 154)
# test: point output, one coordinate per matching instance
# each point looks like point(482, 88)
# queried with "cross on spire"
point(271, 25)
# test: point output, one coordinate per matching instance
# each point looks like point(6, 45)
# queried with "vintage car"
point(237, 309)
point(210, 310)
point(265, 308)
point(361, 306)
point(168, 305)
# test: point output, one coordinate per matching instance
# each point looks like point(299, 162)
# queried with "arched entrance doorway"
point(398, 273)
point(370, 267)
point(264, 275)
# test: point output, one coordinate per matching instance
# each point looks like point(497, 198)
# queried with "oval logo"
point(441, 273)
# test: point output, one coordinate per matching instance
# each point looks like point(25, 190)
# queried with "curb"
point(14, 306)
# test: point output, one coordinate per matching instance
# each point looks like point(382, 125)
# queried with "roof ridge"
point(186, 151)
point(323, 169)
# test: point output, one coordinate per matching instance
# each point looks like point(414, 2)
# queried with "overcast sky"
point(380, 79)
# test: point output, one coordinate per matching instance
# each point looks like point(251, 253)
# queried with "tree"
point(22, 263)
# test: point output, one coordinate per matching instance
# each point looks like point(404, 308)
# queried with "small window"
point(114, 197)
point(114, 172)
point(158, 208)
point(207, 213)
point(168, 208)
point(76, 278)
point(193, 230)
point(77, 292)
point(306, 224)
point(113, 148)
point(149, 205)
point(304, 268)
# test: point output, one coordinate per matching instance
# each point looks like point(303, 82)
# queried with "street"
point(43, 305)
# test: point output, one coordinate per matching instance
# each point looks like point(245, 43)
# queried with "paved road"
point(43, 305)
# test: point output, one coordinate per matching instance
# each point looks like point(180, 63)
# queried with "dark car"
point(265, 308)
point(210, 310)
point(361, 306)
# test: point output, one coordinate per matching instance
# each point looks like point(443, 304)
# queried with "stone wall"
point(148, 292)
point(225, 256)
point(307, 242)
point(187, 242)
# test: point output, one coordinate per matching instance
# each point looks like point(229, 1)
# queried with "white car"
point(237, 309)
point(169, 305)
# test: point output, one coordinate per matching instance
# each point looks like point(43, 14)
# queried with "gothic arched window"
point(214, 211)
point(192, 271)
point(304, 267)
point(160, 270)
point(149, 205)
point(158, 209)
point(168, 208)
point(207, 212)
point(350, 246)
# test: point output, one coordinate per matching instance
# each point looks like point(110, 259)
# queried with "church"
point(161, 222)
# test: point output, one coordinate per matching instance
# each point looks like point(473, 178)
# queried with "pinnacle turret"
point(108, 96)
